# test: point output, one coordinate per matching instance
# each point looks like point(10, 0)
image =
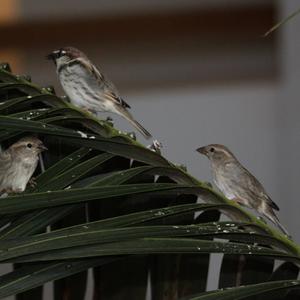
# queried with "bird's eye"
point(212, 149)
point(62, 52)
point(29, 145)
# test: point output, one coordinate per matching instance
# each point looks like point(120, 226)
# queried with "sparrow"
point(18, 163)
point(88, 88)
point(238, 184)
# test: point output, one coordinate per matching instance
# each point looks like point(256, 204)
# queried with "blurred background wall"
point(195, 72)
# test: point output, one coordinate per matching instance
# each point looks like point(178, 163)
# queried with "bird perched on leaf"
point(18, 163)
point(237, 183)
point(87, 87)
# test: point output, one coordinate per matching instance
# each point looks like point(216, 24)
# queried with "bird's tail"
point(127, 115)
point(273, 218)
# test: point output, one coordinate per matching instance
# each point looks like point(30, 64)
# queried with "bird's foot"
point(208, 184)
point(110, 121)
point(156, 146)
point(7, 191)
point(239, 202)
point(65, 98)
point(32, 182)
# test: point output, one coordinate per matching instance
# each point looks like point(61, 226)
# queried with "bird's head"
point(216, 153)
point(64, 55)
point(28, 147)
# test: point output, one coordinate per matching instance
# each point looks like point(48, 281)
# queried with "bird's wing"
point(5, 164)
point(5, 157)
point(110, 95)
point(110, 91)
point(87, 65)
point(256, 189)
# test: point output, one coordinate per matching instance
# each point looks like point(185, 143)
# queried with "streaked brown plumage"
point(88, 88)
point(18, 163)
point(237, 183)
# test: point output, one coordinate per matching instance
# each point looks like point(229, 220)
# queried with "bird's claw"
point(156, 146)
point(110, 121)
point(32, 182)
point(209, 184)
point(65, 98)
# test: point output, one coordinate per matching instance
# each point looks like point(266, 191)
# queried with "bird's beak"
point(202, 150)
point(42, 147)
point(51, 56)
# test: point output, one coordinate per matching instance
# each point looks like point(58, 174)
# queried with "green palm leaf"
point(113, 204)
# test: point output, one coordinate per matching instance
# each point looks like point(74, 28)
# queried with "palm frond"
point(114, 205)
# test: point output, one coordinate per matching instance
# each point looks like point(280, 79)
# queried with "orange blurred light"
point(9, 11)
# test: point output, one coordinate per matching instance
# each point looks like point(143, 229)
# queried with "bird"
point(88, 88)
point(238, 184)
point(17, 164)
